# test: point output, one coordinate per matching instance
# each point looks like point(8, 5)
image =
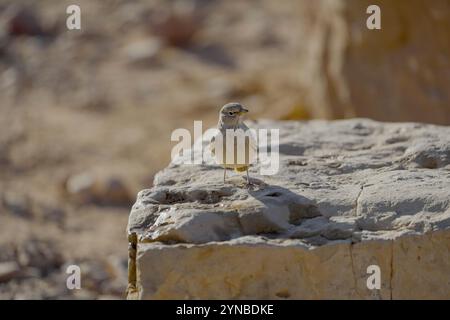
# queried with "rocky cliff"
point(397, 73)
point(348, 195)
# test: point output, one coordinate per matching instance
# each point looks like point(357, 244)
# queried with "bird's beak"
point(243, 110)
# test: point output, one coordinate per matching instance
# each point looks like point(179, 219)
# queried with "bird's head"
point(230, 113)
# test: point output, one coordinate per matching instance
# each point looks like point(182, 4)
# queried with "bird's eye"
point(230, 113)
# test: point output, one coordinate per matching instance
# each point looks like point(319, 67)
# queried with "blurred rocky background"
point(86, 116)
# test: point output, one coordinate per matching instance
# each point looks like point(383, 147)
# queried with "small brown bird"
point(230, 119)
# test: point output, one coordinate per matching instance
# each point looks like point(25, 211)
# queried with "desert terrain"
point(86, 115)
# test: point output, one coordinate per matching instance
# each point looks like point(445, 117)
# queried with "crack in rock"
point(357, 200)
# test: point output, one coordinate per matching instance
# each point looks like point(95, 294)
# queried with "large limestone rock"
point(398, 73)
point(349, 194)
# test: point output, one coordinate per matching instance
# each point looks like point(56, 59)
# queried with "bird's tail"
point(240, 169)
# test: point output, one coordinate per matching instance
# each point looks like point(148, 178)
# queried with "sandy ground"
point(86, 118)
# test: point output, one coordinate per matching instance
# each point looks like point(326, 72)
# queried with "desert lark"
point(230, 120)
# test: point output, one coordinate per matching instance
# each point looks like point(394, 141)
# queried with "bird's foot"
point(249, 184)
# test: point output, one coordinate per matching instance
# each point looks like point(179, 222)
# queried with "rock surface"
point(348, 194)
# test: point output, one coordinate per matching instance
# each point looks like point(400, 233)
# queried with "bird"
point(230, 119)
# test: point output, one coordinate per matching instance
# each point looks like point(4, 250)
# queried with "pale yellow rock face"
point(422, 267)
point(397, 73)
point(411, 268)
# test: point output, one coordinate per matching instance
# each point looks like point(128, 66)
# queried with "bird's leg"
point(248, 184)
point(224, 174)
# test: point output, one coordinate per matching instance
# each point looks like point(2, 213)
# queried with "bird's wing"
point(212, 145)
point(253, 143)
